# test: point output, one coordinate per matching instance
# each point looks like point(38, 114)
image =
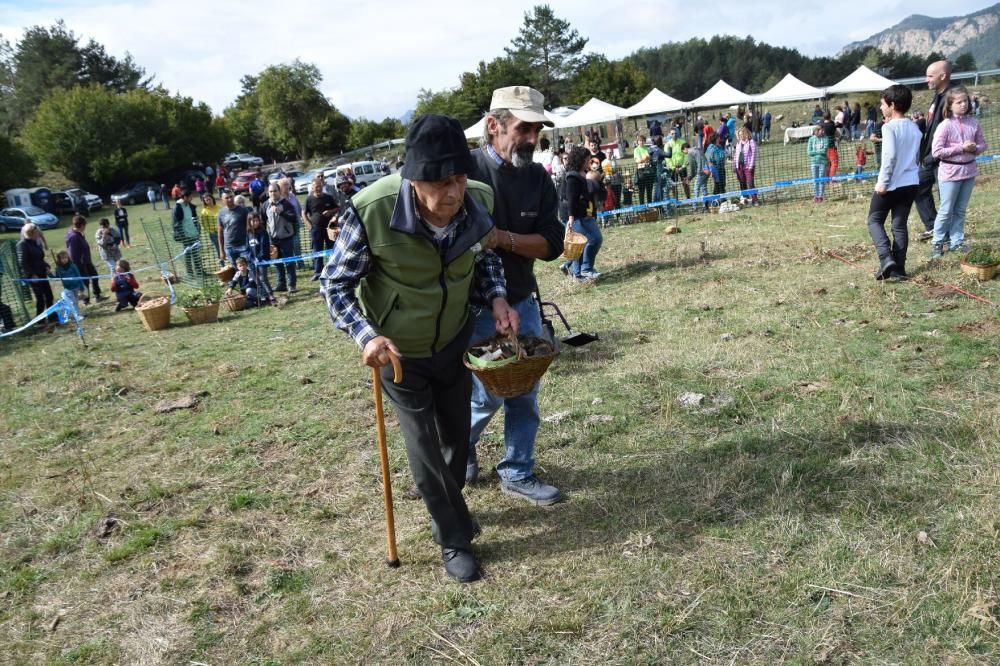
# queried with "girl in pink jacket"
point(957, 141)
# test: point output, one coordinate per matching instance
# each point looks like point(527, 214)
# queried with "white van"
point(365, 172)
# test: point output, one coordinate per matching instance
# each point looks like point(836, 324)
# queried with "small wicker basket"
point(517, 377)
point(573, 244)
point(332, 231)
point(981, 272)
point(225, 274)
point(203, 314)
point(235, 303)
point(154, 313)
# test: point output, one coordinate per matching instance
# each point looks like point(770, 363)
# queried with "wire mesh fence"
point(15, 297)
point(781, 168)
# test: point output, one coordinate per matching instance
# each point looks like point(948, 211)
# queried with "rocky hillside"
point(920, 35)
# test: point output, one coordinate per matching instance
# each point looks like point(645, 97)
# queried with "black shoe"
point(925, 235)
point(460, 564)
point(885, 269)
point(281, 287)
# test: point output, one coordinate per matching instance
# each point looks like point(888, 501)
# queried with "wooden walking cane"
point(390, 524)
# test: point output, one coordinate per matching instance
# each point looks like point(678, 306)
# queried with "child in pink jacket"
point(957, 142)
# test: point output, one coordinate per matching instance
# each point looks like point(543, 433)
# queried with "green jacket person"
point(411, 251)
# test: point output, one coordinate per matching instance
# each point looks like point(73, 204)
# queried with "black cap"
point(436, 149)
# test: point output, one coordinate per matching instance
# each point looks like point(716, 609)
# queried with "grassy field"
point(833, 499)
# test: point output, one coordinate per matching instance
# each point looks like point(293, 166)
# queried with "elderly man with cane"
point(411, 251)
point(528, 228)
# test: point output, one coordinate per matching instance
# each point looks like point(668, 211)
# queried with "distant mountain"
point(919, 35)
point(407, 117)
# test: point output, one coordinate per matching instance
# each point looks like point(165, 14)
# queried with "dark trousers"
point(320, 242)
point(44, 299)
point(924, 200)
point(286, 248)
point(192, 259)
point(123, 232)
point(433, 406)
point(125, 300)
point(897, 202)
point(644, 179)
point(87, 270)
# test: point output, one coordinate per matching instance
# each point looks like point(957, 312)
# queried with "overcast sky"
point(375, 56)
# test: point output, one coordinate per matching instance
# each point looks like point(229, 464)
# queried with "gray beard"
point(522, 157)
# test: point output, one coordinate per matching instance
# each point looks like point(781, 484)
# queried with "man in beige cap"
point(527, 227)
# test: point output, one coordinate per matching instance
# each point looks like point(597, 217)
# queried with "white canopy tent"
point(653, 103)
point(789, 89)
point(594, 112)
point(719, 95)
point(860, 80)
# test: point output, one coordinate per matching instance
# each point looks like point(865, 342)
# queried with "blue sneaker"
point(532, 490)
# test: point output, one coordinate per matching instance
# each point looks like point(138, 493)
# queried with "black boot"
point(885, 268)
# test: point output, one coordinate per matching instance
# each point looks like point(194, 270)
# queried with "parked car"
point(32, 214)
point(94, 202)
point(242, 182)
point(134, 193)
point(237, 160)
point(365, 172)
point(275, 175)
point(303, 180)
point(11, 223)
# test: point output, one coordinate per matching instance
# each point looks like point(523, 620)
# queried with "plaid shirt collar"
point(491, 151)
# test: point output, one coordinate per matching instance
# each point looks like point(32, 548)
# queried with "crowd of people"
point(246, 229)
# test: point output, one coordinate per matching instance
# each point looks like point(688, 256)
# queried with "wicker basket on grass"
point(979, 271)
point(154, 312)
point(203, 314)
point(235, 303)
point(510, 379)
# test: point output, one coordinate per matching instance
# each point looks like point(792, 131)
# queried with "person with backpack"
point(257, 191)
point(187, 233)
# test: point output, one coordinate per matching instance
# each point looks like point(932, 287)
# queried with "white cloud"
point(376, 56)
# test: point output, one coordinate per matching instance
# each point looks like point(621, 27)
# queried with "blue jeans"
point(950, 220)
point(817, 171)
point(520, 423)
point(235, 252)
point(588, 227)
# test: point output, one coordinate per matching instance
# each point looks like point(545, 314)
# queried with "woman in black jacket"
point(579, 198)
point(31, 260)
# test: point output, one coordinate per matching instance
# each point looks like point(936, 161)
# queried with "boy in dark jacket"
point(125, 286)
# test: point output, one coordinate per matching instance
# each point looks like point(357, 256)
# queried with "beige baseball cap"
point(523, 102)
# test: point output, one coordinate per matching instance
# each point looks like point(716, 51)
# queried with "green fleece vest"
point(413, 295)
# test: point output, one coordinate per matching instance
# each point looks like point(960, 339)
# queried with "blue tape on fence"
point(63, 309)
point(189, 248)
point(298, 257)
point(778, 184)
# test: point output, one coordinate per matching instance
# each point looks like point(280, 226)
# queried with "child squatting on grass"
point(897, 181)
point(125, 286)
point(957, 141)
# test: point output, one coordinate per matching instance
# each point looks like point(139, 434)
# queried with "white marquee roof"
point(653, 103)
point(789, 89)
point(860, 80)
point(721, 94)
point(594, 112)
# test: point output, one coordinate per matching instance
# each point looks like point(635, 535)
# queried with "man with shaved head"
point(938, 80)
